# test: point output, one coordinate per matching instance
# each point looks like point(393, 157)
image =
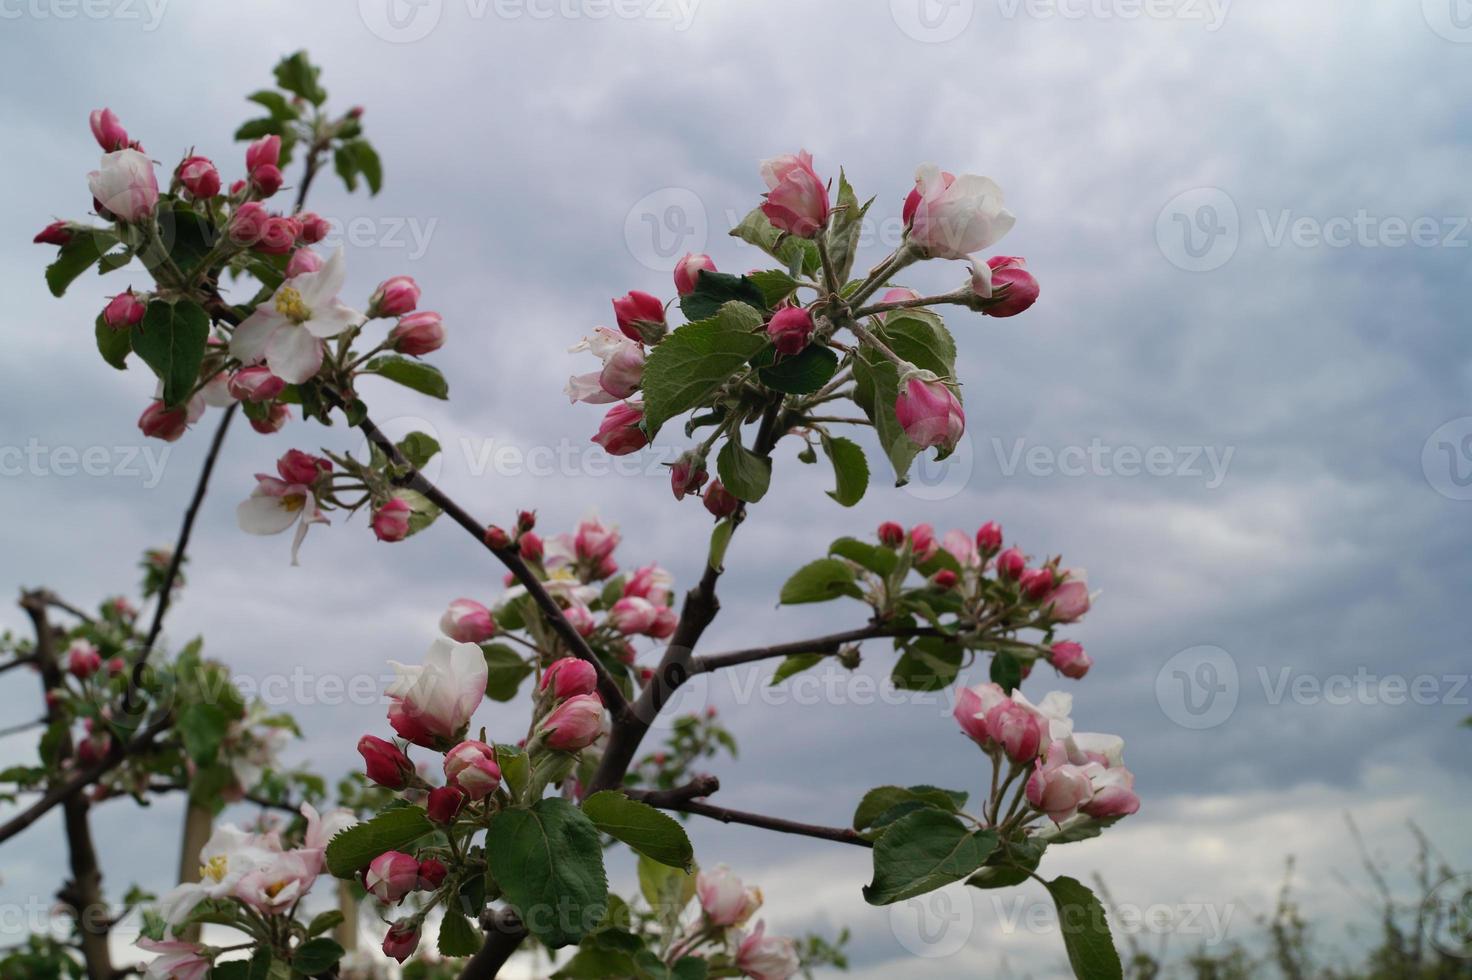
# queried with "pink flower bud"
point(574, 724)
point(55, 233)
point(167, 424)
point(467, 621)
point(1013, 288)
point(891, 535)
point(1017, 730)
point(276, 418)
point(641, 317)
point(1114, 792)
point(623, 372)
point(444, 803)
point(1069, 601)
point(391, 876)
point(620, 434)
point(632, 615)
point(394, 297)
point(688, 269)
point(1057, 787)
point(431, 874)
point(1011, 564)
point(944, 579)
point(929, 412)
point(531, 546)
point(581, 619)
point(123, 311)
point(83, 660)
point(569, 677)
point(402, 940)
point(297, 467)
point(267, 180)
point(93, 749)
point(255, 384)
point(688, 474)
point(116, 666)
point(391, 520)
point(989, 539)
point(199, 177)
point(790, 329)
point(952, 217)
point(666, 621)
point(303, 260)
point(278, 236)
point(1036, 583)
point(264, 152)
point(972, 705)
point(719, 501)
point(764, 957)
point(418, 334)
point(526, 520)
point(248, 223)
point(898, 294)
point(724, 898)
point(314, 227)
point(109, 132)
point(796, 199)
point(922, 541)
point(384, 762)
point(1069, 659)
point(497, 538)
point(472, 767)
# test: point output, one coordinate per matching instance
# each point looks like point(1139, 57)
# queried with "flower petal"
point(293, 354)
point(264, 515)
point(248, 343)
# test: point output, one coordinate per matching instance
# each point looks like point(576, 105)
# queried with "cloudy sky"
point(1249, 220)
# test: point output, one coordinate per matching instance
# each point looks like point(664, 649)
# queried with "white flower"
point(287, 330)
point(1052, 711)
point(957, 216)
point(275, 505)
point(442, 694)
point(228, 856)
point(623, 368)
point(126, 185)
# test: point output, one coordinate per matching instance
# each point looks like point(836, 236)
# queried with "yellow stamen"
point(215, 868)
point(289, 304)
point(294, 502)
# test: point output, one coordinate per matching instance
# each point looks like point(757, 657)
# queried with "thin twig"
point(822, 644)
point(684, 800)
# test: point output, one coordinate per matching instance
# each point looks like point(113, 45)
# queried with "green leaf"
point(820, 581)
point(113, 345)
point(316, 956)
point(687, 367)
point(189, 237)
point(743, 472)
point(798, 255)
point(202, 728)
point(423, 378)
point(875, 557)
point(801, 373)
point(1010, 865)
point(505, 670)
point(775, 285)
point(1085, 927)
point(844, 228)
point(849, 467)
point(690, 968)
point(920, 337)
point(254, 129)
point(878, 806)
point(929, 663)
point(274, 102)
point(714, 290)
point(720, 539)
point(391, 830)
point(457, 936)
point(419, 449)
point(923, 851)
point(297, 75)
point(323, 921)
point(548, 861)
point(516, 768)
point(795, 664)
point(345, 162)
point(653, 834)
point(85, 248)
point(1006, 671)
point(666, 889)
point(876, 386)
point(171, 339)
point(360, 158)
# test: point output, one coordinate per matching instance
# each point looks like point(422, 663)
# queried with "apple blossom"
point(1113, 792)
point(497, 538)
point(385, 763)
point(168, 424)
point(766, 958)
point(1069, 659)
point(275, 505)
point(123, 311)
point(594, 540)
point(125, 185)
point(530, 547)
point(56, 233)
point(790, 329)
point(574, 724)
point(279, 884)
point(719, 501)
point(472, 767)
point(989, 539)
point(959, 544)
point(394, 297)
point(277, 415)
point(688, 269)
point(666, 621)
point(641, 317)
point(620, 434)
point(391, 876)
point(1070, 600)
point(688, 474)
point(623, 368)
point(581, 619)
point(796, 199)
point(972, 706)
point(255, 384)
point(724, 898)
point(83, 660)
point(1035, 583)
point(278, 236)
point(1017, 730)
point(929, 411)
point(176, 960)
point(1005, 281)
point(568, 677)
point(1057, 787)
point(891, 534)
point(1011, 564)
point(440, 696)
point(199, 177)
point(287, 331)
point(650, 582)
point(951, 217)
point(431, 874)
point(226, 858)
point(402, 939)
point(632, 614)
point(267, 179)
point(390, 520)
point(295, 466)
point(443, 803)
point(264, 152)
point(248, 223)
point(922, 541)
point(108, 130)
point(899, 294)
point(314, 227)
point(1052, 711)
point(467, 621)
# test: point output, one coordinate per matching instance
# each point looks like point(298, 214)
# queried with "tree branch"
point(684, 800)
point(823, 645)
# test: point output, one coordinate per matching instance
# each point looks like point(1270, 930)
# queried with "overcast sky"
point(1249, 221)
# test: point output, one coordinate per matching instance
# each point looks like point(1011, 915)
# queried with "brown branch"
point(56, 602)
point(684, 799)
point(822, 645)
point(17, 662)
point(23, 727)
